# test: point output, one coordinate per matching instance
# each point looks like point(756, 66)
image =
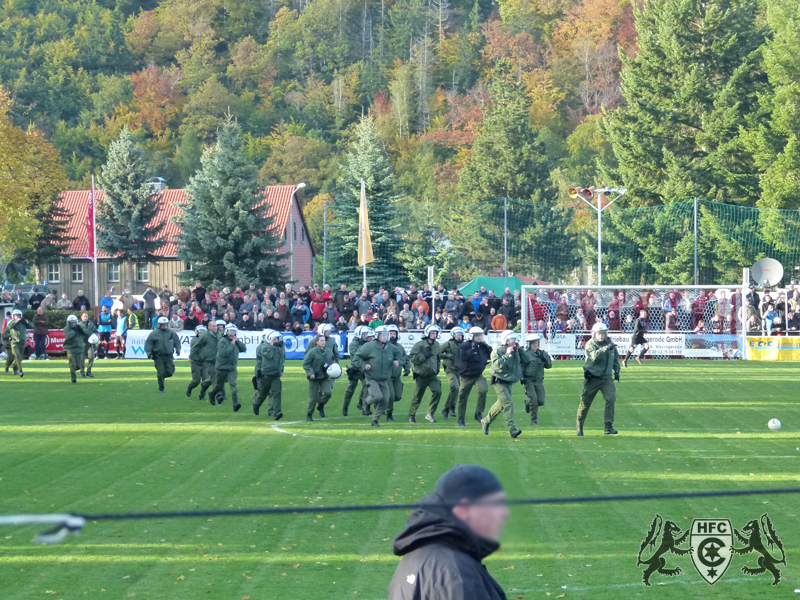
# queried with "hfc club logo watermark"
point(711, 546)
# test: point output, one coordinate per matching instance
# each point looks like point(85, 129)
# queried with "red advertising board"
point(55, 341)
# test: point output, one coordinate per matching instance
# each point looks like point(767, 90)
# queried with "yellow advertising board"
point(773, 348)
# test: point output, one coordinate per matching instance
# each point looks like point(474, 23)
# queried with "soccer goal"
point(689, 322)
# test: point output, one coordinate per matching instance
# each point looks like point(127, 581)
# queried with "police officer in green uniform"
point(221, 325)
point(474, 355)
point(404, 368)
point(449, 356)
point(160, 346)
point(197, 364)
point(377, 359)
point(506, 371)
point(534, 361)
point(208, 357)
point(425, 356)
point(75, 336)
point(599, 372)
point(270, 356)
point(228, 349)
point(316, 361)
point(90, 350)
point(363, 334)
point(16, 336)
point(330, 342)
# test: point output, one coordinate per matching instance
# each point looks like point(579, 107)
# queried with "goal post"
point(688, 322)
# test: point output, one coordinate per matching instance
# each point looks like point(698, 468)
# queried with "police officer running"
point(599, 373)
point(474, 355)
point(14, 339)
point(363, 334)
point(228, 349)
point(270, 356)
point(450, 362)
point(506, 371)
point(534, 361)
point(404, 368)
point(75, 336)
point(203, 350)
point(160, 346)
point(425, 356)
point(317, 359)
point(377, 359)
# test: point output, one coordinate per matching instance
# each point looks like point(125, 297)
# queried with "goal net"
point(689, 322)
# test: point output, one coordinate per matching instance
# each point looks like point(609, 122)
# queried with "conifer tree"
point(228, 237)
point(127, 224)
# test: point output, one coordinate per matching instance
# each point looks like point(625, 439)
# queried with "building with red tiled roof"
point(75, 272)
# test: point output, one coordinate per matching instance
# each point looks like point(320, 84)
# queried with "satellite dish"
point(767, 272)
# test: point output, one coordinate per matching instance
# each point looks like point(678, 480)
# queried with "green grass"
point(114, 444)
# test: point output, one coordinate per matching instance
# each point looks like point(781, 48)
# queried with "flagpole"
point(94, 248)
point(364, 242)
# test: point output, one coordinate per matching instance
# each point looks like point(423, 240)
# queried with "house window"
point(113, 272)
point(286, 233)
point(77, 272)
point(187, 266)
point(142, 272)
point(54, 273)
point(294, 230)
point(302, 235)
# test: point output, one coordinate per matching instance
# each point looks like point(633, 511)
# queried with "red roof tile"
point(76, 203)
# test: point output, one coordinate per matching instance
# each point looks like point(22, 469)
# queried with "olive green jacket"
point(316, 360)
point(204, 348)
point(75, 338)
point(602, 359)
point(330, 344)
point(17, 331)
point(449, 355)
point(228, 354)
point(400, 356)
point(534, 363)
point(162, 342)
point(269, 360)
point(425, 356)
point(379, 358)
point(506, 365)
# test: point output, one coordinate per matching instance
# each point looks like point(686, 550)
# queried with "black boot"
point(308, 417)
point(412, 420)
point(389, 417)
point(515, 433)
point(321, 410)
point(527, 407)
point(478, 417)
point(461, 423)
point(534, 421)
point(255, 410)
point(609, 430)
point(579, 430)
point(278, 416)
point(446, 413)
point(375, 424)
point(188, 392)
point(485, 424)
point(236, 405)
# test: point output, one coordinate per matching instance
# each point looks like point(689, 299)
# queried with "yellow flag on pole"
point(364, 239)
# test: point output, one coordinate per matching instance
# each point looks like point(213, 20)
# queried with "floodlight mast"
point(586, 194)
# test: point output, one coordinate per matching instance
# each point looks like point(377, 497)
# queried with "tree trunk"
point(131, 276)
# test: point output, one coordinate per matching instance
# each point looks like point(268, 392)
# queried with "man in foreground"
point(453, 529)
point(270, 358)
point(506, 371)
point(160, 346)
point(599, 372)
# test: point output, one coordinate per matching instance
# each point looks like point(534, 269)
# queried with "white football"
point(774, 424)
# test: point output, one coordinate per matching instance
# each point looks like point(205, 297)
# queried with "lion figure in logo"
point(671, 538)
point(755, 543)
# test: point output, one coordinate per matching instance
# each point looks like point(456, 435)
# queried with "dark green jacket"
point(506, 365)
point(89, 326)
point(330, 344)
point(315, 361)
point(449, 355)
point(17, 331)
point(75, 338)
point(228, 354)
point(204, 348)
point(379, 358)
point(163, 343)
point(400, 356)
point(269, 360)
point(355, 344)
point(602, 360)
point(534, 363)
point(425, 358)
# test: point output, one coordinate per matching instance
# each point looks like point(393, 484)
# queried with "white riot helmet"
point(221, 323)
point(231, 327)
point(273, 335)
point(393, 328)
point(599, 327)
point(534, 337)
point(473, 331)
point(457, 331)
point(200, 329)
point(382, 333)
point(93, 339)
point(334, 370)
point(326, 328)
point(508, 336)
point(163, 321)
point(16, 313)
point(368, 331)
point(432, 329)
point(72, 319)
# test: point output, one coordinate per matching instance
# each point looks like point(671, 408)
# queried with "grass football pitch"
point(114, 444)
